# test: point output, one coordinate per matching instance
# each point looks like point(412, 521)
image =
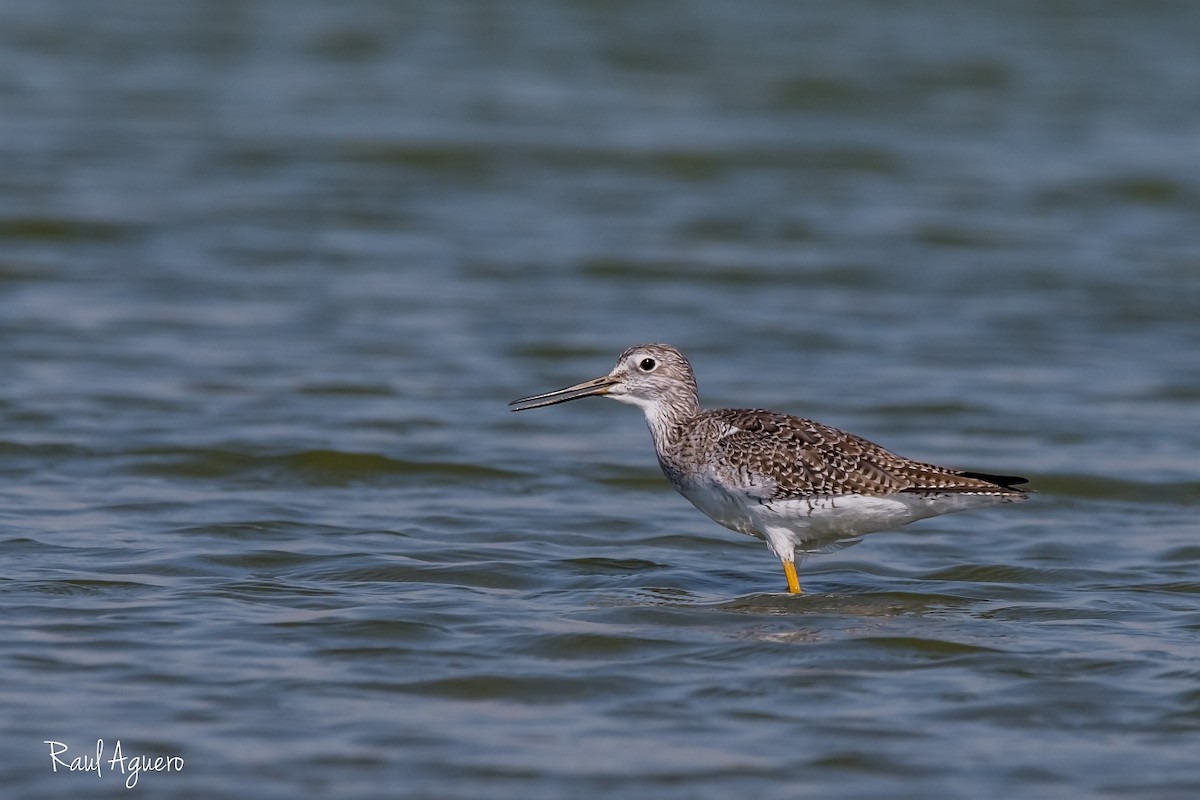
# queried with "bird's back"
point(778, 456)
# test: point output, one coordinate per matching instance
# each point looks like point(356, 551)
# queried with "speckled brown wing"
point(803, 458)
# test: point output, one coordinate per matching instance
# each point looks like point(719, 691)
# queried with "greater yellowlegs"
point(793, 482)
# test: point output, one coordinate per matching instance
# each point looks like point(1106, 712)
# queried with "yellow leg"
point(789, 569)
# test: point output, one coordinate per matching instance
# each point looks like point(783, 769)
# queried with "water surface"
point(270, 272)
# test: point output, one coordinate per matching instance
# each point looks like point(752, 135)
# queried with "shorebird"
point(793, 482)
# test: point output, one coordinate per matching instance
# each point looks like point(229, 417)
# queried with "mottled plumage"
point(806, 458)
point(791, 481)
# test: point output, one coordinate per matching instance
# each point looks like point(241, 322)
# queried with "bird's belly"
point(735, 511)
point(821, 519)
point(825, 518)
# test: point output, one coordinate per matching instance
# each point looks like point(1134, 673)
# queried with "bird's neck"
point(667, 418)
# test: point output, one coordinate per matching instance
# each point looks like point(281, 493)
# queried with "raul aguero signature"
point(130, 766)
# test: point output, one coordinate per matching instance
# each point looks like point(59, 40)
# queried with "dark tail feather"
point(1003, 481)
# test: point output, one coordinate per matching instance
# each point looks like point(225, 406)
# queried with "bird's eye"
point(647, 365)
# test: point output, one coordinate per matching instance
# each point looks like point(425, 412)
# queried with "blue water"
point(270, 273)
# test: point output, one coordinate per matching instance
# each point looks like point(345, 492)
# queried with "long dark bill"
point(585, 389)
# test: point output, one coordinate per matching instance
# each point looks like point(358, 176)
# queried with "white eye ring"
point(647, 365)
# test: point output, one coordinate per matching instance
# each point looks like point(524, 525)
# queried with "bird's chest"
point(727, 499)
